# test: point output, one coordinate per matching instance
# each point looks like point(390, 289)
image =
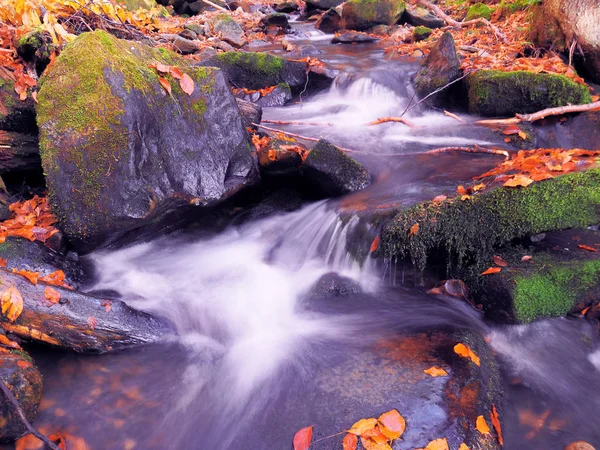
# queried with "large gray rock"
point(557, 23)
point(364, 14)
point(229, 30)
point(117, 148)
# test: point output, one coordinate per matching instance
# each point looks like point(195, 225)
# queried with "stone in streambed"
point(329, 171)
point(276, 20)
point(418, 16)
point(277, 97)
point(118, 150)
point(364, 14)
point(354, 37)
point(334, 285)
point(496, 93)
point(19, 373)
point(250, 112)
point(286, 7)
point(440, 68)
point(229, 30)
point(330, 22)
point(421, 33)
point(256, 70)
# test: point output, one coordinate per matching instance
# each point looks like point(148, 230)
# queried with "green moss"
point(32, 39)
point(255, 62)
point(555, 291)
point(223, 18)
point(421, 32)
point(473, 228)
point(479, 10)
point(199, 107)
point(496, 93)
point(134, 5)
point(380, 11)
point(512, 6)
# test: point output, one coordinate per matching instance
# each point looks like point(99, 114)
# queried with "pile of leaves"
point(30, 219)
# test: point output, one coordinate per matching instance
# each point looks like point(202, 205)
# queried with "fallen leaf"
point(478, 187)
point(511, 129)
point(362, 426)
point(176, 72)
point(466, 352)
point(12, 303)
point(460, 190)
point(92, 322)
point(107, 305)
point(375, 244)
point(160, 67)
point(491, 270)
point(585, 310)
point(414, 230)
point(56, 278)
point(376, 435)
point(482, 425)
point(33, 277)
point(496, 424)
point(302, 438)
point(463, 446)
point(499, 261)
point(439, 198)
point(350, 442)
point(522, 135)
point(187, 84)
point(52, 295)
point(588, 248)
point(8, 343)
point(437, 444)
point(518, 180)
point(436, 372)
point(165, 84)
point(465, 197)
point(526, 258)
point(369, 444)
point(3, 262)
point(392, 424)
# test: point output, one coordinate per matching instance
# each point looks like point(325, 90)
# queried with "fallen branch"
point(475, 149)
point(393, 119)
point(298, 122)
point(557, 111)
point(454, 116)
point(297, 136)
point(11, 398)
point(215, 5)
point(455, 24)
point(409, 107)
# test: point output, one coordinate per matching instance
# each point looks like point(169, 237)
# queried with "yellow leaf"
point(437, 444)
point(369, 444)
point(482, 425)
point(392, 424)
point(463, 446)
point(436, 372)
point(12, 303)
point(362, 426)
point(518, 180)
point(464, 351)
point(478, 187)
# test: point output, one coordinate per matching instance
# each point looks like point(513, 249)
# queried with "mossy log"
point(474, 227)
point(78, 322)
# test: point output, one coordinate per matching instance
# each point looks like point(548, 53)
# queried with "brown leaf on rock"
point(482, 425)
point(437, 444)
point(518, 181)
point(12, 303)
point(369, 444)
point(463, 446)
point(52, 295)
point(303, 438)
point(374, 244)
point(362, 426)
point(496, 424)
point(414, 230)
point(107, 305)
point(187, 84)
point(92, 322)
point(165, 84)
point(466, 352)
point(176, 72)
point(3, 262)
point(392, 424)
point(33, 277)
point(350, 442)
point(436, 372)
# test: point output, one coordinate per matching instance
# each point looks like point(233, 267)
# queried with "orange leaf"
point(375, 435)
point(375, 244)
point(369, 444)
point(3, 262)
point(160, 67)
point(499, 261)
point(460, 190)
point(56, 278)
point(107, 305)
point(414, 230)
point(466, 352)
point(478, 187)
point(437, 444)
point(482, 425)
point(362, 426)
point(392, 424)
point(165, 84)
point(92, 322)
point(31, 276)
point(522, 135)
point(465, 197)
point(511, 129)
point(518, 180)
point(12, 303)
point(463, 446)
point(350, 442)
point(440, 198)
point(585, 310)
point(526, 258)
point(187, 84)
point(496, 424)
point(436, 372)
point(302, 438)
point(52, 295)
point(588, 248)
point(176, 72)
point(491, 270)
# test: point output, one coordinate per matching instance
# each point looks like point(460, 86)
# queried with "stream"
point(259, 354)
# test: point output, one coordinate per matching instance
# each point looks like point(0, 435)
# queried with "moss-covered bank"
point(472, 228)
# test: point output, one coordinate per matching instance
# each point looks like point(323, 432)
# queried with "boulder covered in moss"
point(421, 33)
point(496, 93)
point(35, 48)
point(479, 11)
point(440, 68)
point(256, 70)
point(19, 373)
point(470, 230)
point(15, 114)
point(119, 150)
point(329, 171)
point(557, 23)
point(419, 16)
point(364, 14)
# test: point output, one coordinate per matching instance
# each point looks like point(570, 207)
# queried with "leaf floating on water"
point(350, 442)
point(52, 295)
point(496, 424)
point(302, 438)
point(12, 303)
point(466, 352)
point(392, 424)
point(491, 270)
point(482, 425)
point(374, 244)
point(165, 84)
point(437, 444)
point(362, 426)
point(187, 84)
point(588, 248)
point(499, 261)
point(436, 372)
point(414, 230)
point(369, 444)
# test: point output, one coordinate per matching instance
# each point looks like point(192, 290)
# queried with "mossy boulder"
point(35, 48)
point(508, 7)
point(15, 114)
point(256, 70)
point(117, 148)
point(330, 172)
point(419, 16)
point(421, 33)
point(479, 11)
point(364, 14)
point(470, 230)
point(557, 23)
point(440, 68)
point(21, 376)
point(496, 93)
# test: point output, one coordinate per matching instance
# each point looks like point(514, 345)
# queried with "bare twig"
point(393, 119)
point(215, 5)
point(557, 111)
point(475, 149)
point(433, 93)
point(11, 398)
point(571, 51)
point(454, 116)
point(297, 136)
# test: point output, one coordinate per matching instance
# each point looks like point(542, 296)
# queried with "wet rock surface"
point(353, 37)
point(364, 14)
point(329, 22)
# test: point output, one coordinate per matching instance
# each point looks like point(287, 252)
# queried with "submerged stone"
point(364, 14)
point(117, 149)
point(496, 93)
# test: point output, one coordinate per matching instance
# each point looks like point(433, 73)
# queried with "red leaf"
point(302, 438)
point(187, 84)
point(491, 270)
point(375, 244)
point(414, 230)
point(176, 73)
point(499, 261)
point(165, 84)
point(588, 248)
point(350, 442)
